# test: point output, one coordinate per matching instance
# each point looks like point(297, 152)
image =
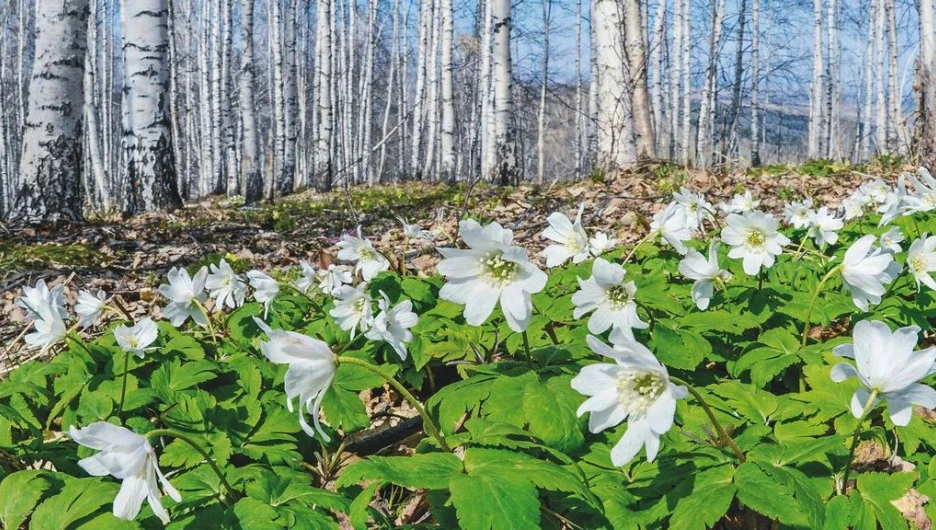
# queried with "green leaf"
point(173, 377)
point(765, 495)
point(251, 514)
point(77, 500)
point(427, 471)
point(837, 513)
point(501, 502)
point(871, 506)
point(19, 494)
point(710, 497)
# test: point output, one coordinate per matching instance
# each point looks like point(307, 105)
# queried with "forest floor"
point(131, 256)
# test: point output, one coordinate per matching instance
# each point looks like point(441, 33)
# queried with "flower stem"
point(211, 332)
point(123, 387)
point(311, 300)
point(855, 437)
point(722, 433)
point(526, 348)
point(646, 238)
point(214, 467)
point(427, 420)
point(812, 303)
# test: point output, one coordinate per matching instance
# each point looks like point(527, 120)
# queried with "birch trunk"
point(579, 109)
point(148, 139)
point(831, 113)
point(705, 130)
point(323, 152)
point(541, 115)
point(656, 57)
point(893, 94)
point(250, 174)
point(926, 123)
point(394, 60)
point(636, 53)
point(675, 69)
point(616, 147)
point(506, 167)
point(486, 95)
point(447, 169)
point(50, 167)
point(735, 111)
point(815, 90)
point(880, 136)
point(865, 141)
point(755, 83)
point(685, 55)
point(290, 99)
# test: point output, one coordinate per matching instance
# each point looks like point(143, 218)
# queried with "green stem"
point(214, 467)
point(427, 420)
point(722, 433)
point(311, 300)
point(646, 238)
point(812, 303)
point(855, 437)
point(526, 348)
point(348, 345)
point(123, 387)
point(802, 242)
point(211, 332)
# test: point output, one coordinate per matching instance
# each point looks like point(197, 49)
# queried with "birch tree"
point(506, 168)
point(755, 83)
point(448, 92)
point(926, 123)
point(250, 174)
point(541, 118)
point(323, 151)
point(705, 133)
point(50, 166)
point(148, 139)
point(815, 90)
point(636, 53)
point(615, 131)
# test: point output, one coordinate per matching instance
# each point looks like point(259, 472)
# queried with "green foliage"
point(522, 456)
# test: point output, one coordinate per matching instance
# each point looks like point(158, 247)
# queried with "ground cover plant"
point(726, 371)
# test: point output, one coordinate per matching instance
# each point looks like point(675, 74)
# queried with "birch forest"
point(135, 106)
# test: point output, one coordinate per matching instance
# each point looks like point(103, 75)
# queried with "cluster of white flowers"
point(48, 312)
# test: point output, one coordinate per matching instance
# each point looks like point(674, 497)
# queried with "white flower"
point(924, 197)
point(90, 308)
point(359, 250)
point(333, 277)
point(309, 276)
point(310, 372)
point(921, 260)
point(823, 227)
point(414, 231)
point(265, 289)
point(705, 272)
point(225, 286)
point(636, 388)
point(695, 207)
point(129, 457)
point(186, 295)
point(601, 243)
point(874, 192)
point(50, 328)
point(136, 339)
point(38, 297)
point(755, 239)
point(891, 240)
point(740, 204)
point(798, 213)
point(671, 223)
point(895, 203)
point(887, 364)
point(865, 271)
point(853, 208)
point(571, 239)
point(392, 325)
point(491, 270)
point(353, 309)
point(610, 297)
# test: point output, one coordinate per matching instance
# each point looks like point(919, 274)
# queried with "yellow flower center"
point(918, 264)
point(755, 239)
point(638, 390)
point(618, 296)
point(496, 270)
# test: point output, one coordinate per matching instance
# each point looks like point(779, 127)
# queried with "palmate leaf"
point(77, 500)
point(546, 408)
point(19, 494)
point(484, 502)
point(783, 494)
point(420, 471)
point(703, 499)
point(871, 506)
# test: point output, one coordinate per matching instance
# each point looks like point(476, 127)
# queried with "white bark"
point(686, 85)
point(541, 115)
point(869, 63)
point(636, 54)
point(447, 170)
point(705, 133)
point(926, 128)
point(506, 167)
point(659, 74)
point(815, 90)
point(50, 167)
point(148, 139)
point(755, 83)
point(323, 151)
point(880, 136)
point(615, 126)
point(250, 173)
